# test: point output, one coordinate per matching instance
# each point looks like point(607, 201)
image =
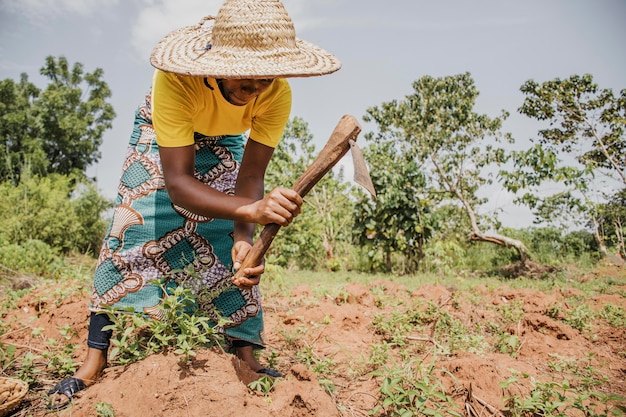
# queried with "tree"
point(612, 220)
point(583, 145)
point(398, 221)
point(57, 130)
point(453, 146)
point(19, 130)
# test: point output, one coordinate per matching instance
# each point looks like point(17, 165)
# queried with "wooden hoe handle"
point(337, 146)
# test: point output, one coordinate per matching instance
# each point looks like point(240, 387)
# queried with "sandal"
point(270, 372)
point(68, 387)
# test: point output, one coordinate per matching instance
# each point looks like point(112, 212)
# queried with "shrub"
point(58, 210)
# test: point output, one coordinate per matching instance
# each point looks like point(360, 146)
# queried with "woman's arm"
point(247, 205)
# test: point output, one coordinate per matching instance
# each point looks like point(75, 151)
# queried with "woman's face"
point(241, 92)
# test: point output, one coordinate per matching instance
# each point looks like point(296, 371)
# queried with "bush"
point(59, 210)
point(32, 257)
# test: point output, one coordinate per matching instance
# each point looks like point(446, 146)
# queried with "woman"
point(191, 191)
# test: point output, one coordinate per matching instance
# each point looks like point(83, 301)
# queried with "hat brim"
point(186, 51)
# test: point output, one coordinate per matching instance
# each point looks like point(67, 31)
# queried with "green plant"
point(60, 355)
point(104, 410)
point(321, 366)
point(511, 312)
point(7, 356)
point(181, 328)
point(413, 391)
point(560, 399)
point(614, 315)
point(508, 343)
point(263, 385)
point(580, 317)
point(27, 369)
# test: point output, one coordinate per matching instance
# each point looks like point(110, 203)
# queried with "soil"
point(337, 333)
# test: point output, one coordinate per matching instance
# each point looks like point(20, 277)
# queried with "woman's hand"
point(252, 275)
point(280, 206)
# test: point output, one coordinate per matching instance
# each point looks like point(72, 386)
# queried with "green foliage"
point(397, 222)
point(57, 130)
point(612, 220)
point(263, 385)
point(18, 117)
point(580, 317)
point(413, 391)
point(508, 343)
point(60, 353)
point(560, 399)
point(57, 358)
point(32, 257)
point(181, 328)
point(321, 366)
point(614, 315)
point(435, 142)
point(445, 331)
point(56, 209)
point(583, 141)
point(104, 410)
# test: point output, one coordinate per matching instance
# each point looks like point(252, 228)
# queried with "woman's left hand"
point(252, 275)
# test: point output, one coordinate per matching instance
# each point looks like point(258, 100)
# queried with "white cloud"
point(39, 10)
point(159, 17)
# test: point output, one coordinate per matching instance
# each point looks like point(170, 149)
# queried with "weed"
point(379, 355)
point(104, 410)
point(580, 317)
point(136, 336)
point(614, 315)
point(582, 370)
point(60, 355)
point(554, 312)
point(559, 399)
point(508, 343)
point(7, 356)
point(272, 359)
point(263, 385)
point(28, 370)
point(512, 312)
point(292, 339)
point(321, 366)
point(413, 391)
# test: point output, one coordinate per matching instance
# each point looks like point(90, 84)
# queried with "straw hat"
point(249, 39)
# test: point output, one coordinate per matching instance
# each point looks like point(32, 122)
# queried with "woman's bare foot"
point(246, 354)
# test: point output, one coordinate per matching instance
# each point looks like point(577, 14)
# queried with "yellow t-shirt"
point(182, 105)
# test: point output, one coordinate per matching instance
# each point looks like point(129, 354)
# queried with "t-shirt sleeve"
point(269, 121)
point(172, 110)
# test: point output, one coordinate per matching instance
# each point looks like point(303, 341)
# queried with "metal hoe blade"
point(361, 173)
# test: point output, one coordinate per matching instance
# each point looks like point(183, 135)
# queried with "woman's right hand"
point(280, 206)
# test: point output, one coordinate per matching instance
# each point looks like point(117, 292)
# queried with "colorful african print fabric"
point(151, 241)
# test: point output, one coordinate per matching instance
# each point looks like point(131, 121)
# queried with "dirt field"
point(340, 336)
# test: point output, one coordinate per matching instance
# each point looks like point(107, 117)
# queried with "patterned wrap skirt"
point(152, 244)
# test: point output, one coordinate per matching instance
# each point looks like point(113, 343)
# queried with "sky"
point(384, 46)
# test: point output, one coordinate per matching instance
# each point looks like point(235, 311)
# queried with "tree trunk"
point(621, 247)
point(504, 241)
point(477, 234)
point(598, 236)
point(328, 248)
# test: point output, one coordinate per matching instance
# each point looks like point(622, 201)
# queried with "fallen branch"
point(425, 339)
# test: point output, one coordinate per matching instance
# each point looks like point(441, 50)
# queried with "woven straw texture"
point(12, 392)
point(249, 39)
